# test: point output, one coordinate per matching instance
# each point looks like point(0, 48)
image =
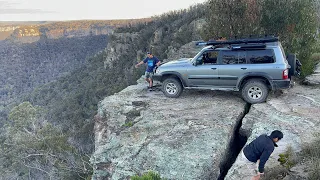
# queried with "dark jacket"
point(260, 148)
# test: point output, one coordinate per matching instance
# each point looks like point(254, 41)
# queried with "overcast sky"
point(43, 10)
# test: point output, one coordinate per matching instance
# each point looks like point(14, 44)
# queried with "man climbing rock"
point(151, 62)
point(258, 152)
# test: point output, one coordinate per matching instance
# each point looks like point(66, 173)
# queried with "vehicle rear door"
point(232, 66)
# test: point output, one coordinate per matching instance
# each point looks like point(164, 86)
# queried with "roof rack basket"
point(239, 41)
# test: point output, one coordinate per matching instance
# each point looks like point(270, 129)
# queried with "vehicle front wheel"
point(172, 87)
point(255, 91)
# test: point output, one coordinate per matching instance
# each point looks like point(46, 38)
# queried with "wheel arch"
point(263, 76)
point(173, 75)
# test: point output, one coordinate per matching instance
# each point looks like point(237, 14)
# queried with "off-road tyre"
point(172, 87)
point(255, 91)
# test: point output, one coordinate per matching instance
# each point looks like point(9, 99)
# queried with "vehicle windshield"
point(195, 57)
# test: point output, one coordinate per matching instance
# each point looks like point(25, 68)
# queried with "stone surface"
point(298, 172)
point(182, 138)
point(314, 79)
point(120, 43)
point(295, 112)
point(186, 51)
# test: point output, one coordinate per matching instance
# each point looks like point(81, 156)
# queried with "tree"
point(296, 25)
point(229, 18)
point(35, 149)
point(294, 21)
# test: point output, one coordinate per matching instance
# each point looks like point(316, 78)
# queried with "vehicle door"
point(263, 61)
point(233, 65)
point(204, 72)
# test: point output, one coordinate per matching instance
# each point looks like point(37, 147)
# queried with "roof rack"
point(247, 46)
point(239, 41)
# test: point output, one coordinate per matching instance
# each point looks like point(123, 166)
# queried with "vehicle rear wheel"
point(255, 91)
point(172, 87)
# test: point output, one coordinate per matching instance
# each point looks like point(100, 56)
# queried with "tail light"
point(285, 74)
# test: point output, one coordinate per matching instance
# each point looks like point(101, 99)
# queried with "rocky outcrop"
point(120, 44)
point(189, 137)
point(314, 79)
point(183, 138)
point(295, 112)
point(186, 51)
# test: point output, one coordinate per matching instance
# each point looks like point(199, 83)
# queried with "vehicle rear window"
point(233, 57)
point(261, 56)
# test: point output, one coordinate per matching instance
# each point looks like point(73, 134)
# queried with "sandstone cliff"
point(195, 136)
point(182, 138)
point(25, 32)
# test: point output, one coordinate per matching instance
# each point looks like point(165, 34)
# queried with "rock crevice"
point(237, 142)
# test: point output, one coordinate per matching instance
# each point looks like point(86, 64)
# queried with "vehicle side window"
point(208, 57)
point(212, 57)
point(233, 57)
point(261, 56)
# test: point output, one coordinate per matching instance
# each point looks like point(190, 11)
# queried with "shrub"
point(288, 159)
point(296, 24)
point(311, 153)
point(147, 176)
point(311, 150)
point(315, 58)
point(128, 124)
point(314, 174)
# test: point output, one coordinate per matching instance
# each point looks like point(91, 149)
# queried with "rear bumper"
point(281, 84)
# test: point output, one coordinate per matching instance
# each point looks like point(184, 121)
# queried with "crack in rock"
point(236, 143)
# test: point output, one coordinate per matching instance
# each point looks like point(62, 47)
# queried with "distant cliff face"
point(55, 30)
point(8, 28)
point(34, 33)
point(6, 31)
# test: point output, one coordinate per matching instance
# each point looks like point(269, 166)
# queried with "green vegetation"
point(311, 153)
point(33, 148)
point(309, 156)
point(170, 30)
point(55, 86)
point(24, 67)
point(47, 131)
point(288, 159)
point(148, 176)
point(128, 124)
point(295, 21)
point(70, 103)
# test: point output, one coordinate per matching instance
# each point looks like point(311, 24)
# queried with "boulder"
point(313, 79)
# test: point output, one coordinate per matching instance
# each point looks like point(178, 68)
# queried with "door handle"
point(214, 68)
point(243, 68)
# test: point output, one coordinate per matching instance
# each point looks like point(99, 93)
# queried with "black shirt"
point(260, 148)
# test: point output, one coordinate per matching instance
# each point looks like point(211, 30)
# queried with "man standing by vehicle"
point(258, 152)
point(151, 62)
